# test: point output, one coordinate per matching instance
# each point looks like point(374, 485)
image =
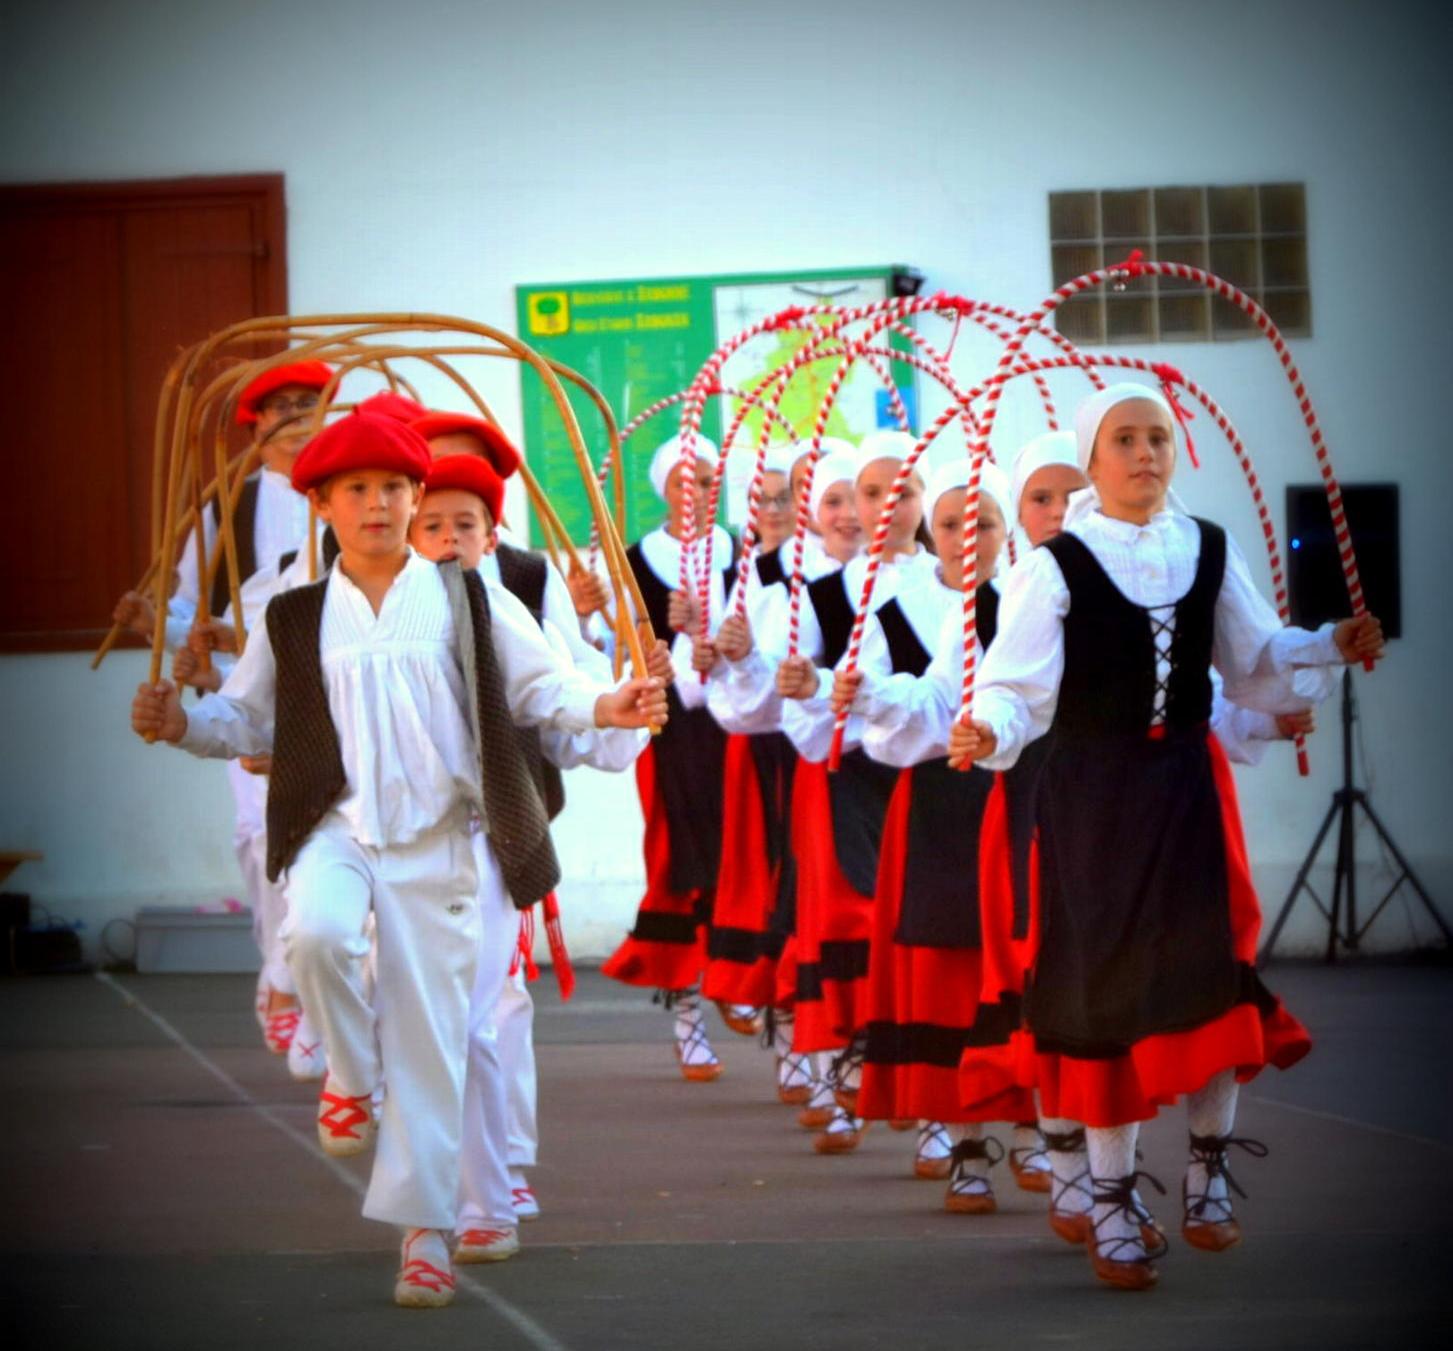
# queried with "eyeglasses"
point(281, 405)
point(776, 501)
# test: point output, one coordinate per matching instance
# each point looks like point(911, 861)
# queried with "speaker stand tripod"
point(1342, 927)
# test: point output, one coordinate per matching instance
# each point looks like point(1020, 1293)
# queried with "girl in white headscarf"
point(754, 907)
point(1143, 986)
point(924, 962)
point(679, 775)
point(837, 867)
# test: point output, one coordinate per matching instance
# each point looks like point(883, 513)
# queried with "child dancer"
point(742, 695)
point(270, 518)
point(743, 947)
point(837, 867)
point(544, 593)
point(679, 777)
point(1045, 473)
point(381, 691)
point(924, 965)
point(1143, 985)
point(455, 522)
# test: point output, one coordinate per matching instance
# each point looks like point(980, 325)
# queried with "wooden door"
point(101, 285)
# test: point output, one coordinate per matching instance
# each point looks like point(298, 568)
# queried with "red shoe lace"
point(281, 1026)
point(483, 1238)
point(425, 1275)
point(344, 1113)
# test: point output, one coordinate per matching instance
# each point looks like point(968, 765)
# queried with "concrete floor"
point(162, 1189)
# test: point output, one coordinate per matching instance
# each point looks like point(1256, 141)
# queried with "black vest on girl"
point(940, 905)
point(860, 789)
point(688, 755)
point(775, 760)
point(1135, 929)
point(307, 770)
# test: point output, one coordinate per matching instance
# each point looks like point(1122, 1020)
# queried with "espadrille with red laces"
point(345, 1124)
point(487, 1245)
point(425, 1280)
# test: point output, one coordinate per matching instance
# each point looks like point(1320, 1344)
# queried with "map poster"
point(638, 341)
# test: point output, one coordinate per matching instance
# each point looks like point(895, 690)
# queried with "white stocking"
point(1070, 1191)
point(1112, 1157)
point(1210, 1114)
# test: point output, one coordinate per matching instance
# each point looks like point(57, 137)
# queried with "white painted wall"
point(438, 153)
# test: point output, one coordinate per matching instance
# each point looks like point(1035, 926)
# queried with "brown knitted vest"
point(307, 771)
point(524, 576)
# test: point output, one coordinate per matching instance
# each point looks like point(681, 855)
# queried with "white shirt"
point(742, 695)
point(396, 695)
point(558, 610)
point(611, 749)
point(809, 722)
point(280, 524)
point(906, 718)
point(662, 554)
point(1265, 665)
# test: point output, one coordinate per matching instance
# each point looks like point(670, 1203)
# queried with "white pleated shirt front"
point(396, 694)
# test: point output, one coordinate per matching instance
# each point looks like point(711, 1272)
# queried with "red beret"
point(308, 374)
point(468, 474)
point(498, 448)
point(387, 404)
point(361, 441)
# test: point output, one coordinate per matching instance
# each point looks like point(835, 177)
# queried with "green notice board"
point(640, 340)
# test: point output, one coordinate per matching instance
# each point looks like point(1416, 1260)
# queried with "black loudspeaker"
point(905, 281)
point(1314, 568)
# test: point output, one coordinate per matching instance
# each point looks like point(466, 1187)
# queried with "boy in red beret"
point(468, 449)
point(270, 518)
point(388, 694)
point(456, 520)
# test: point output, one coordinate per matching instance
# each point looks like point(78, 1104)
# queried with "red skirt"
point(834, 925)
point(741, 967)
point(922, 1002)
point(992, 1064)
point(1254, 1031)
point(667, 948)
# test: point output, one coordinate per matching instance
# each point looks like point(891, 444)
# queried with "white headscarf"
point(835, 468)
point(780, 458)
point(831, 445)
point(1088, 417)
point(668, 455)
point(955, 474)
point(885, 445)
point(1051, 448)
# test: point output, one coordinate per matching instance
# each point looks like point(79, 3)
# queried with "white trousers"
point(484, 1180)
point(267, 900)
point(414, 1034)
point(514, 1018)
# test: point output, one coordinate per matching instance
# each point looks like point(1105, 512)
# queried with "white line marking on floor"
point(1353, 1121)
point(526, 1326)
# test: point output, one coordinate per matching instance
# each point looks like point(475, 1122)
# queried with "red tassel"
point(525, 947)
point(953, 337)
point(564, 971)
point(791, 315)
point(1131, 266)
point(1169, 378)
